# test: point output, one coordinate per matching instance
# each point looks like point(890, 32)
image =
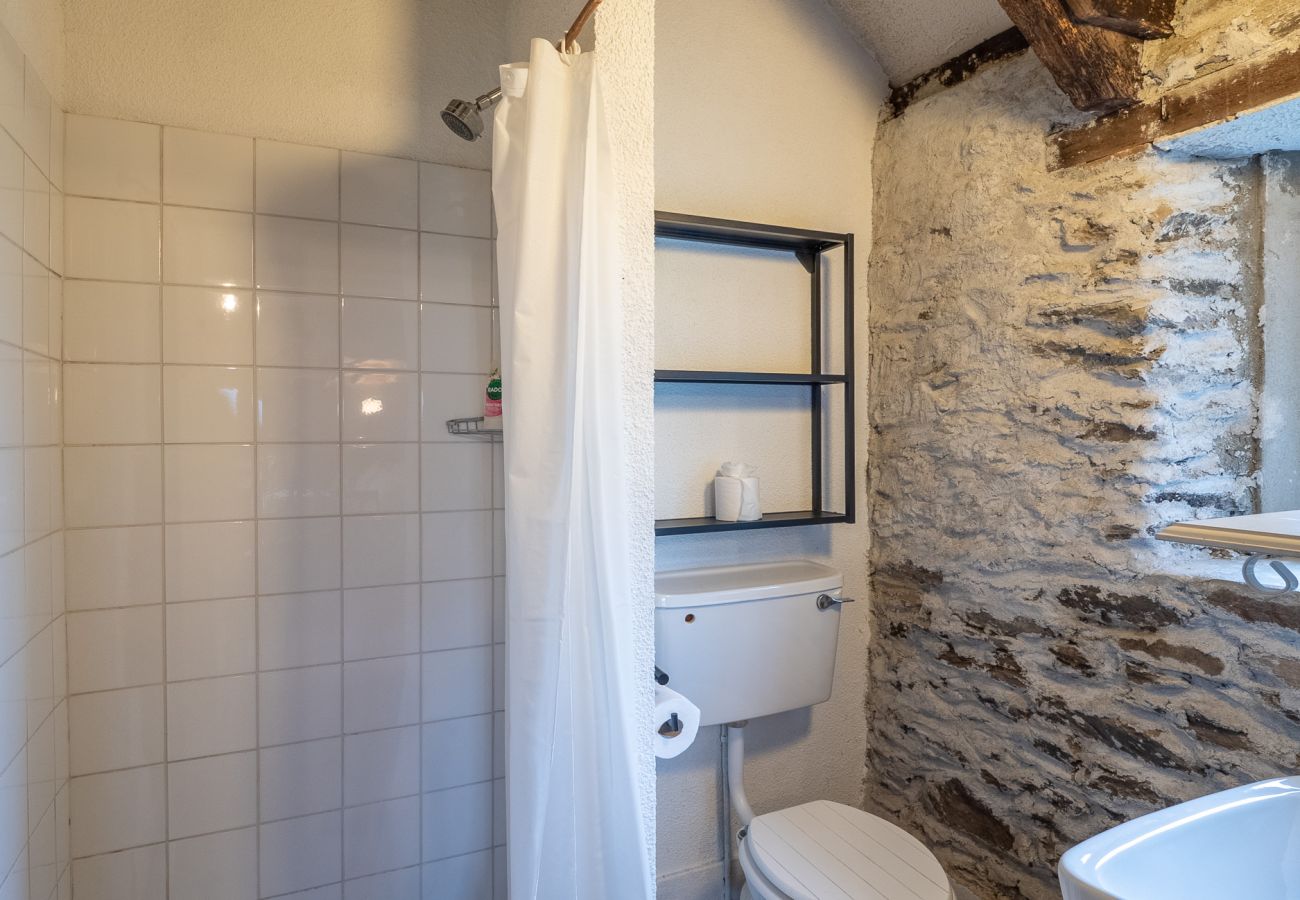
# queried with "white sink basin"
point(1243, 843)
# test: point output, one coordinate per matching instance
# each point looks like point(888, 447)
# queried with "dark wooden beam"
point(956, 70)
point(1206, 101)
point(1098, 69)
point(1143, 19)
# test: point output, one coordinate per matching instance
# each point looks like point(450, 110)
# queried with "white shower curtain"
point(575, 829)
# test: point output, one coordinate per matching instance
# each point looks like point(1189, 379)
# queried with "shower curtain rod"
point(571, 36)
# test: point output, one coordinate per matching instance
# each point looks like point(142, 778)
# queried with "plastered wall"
point(765, 111)
point(364, 75)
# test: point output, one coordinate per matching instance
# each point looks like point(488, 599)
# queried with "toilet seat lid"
point(829, 851)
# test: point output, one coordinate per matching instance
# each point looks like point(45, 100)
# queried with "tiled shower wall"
point(33, 686)
point(280, 566)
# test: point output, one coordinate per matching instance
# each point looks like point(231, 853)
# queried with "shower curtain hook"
point(1289, 581)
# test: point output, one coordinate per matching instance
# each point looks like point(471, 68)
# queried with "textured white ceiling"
point(913, 36)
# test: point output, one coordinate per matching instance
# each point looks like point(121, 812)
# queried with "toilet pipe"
point(736, 773)
point(724, 816)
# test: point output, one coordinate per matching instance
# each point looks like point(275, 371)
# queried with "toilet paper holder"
point(671, 727)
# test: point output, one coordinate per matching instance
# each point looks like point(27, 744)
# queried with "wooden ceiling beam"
point(1143, 19)
point(1206, 101)
point(1097, 68)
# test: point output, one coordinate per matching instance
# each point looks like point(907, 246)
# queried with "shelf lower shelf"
point(707, 524)
point(696, 376)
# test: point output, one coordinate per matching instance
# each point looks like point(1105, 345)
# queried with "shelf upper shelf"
point(746, 234)
point(696, 376)
point(769, 520)
point(1273, 533)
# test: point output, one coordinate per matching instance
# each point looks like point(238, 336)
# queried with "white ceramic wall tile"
point(299, 704)
point(470, 670)
point(111, 404)
point(469, 875)
point(381, 765)
point(208, 404)
point(11, 293)
point(110, 322)
point(297, 480)
point(114, 648)
point(457, 752)
point(117, 810)
point(109, 567)
point(297, 255)
point(297, 854)
point(295, 555)
point(381, 406)
point(297, 405)
point(380, 190)
point(11, 85)
point(400, 884)
point(299, 629)
point(380, 262)
point(297, 329)
point(112, 158)
point(210, 560)
point(381, 693)
point(457, 821)
point(379, 550)
point(207, 246)
point(456, 476)
point(36, 213)
point(380, 334)
point(216, 793)
point(456, 614)
point(140, 872)
point(38, 110)
point(214, 865)
point(208, 482)
point(211, 326)
point(381, 836)
point(301, 779)
point(444, 397)
point(382, 621)
point(204, 169)
point(295, 180)
point(211, 638)
point(111, 240)
point(455, 269)
point(112, 486)
point(116, 730)
point(457, 545)
point(455, 338)
point(455, 201)
point(211, 716)
point(379, 478)
point(11, 189)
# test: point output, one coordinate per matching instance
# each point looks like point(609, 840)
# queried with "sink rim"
point(1080, 866)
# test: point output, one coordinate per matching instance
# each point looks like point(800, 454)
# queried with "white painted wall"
point(37, 27)
point(766, 110)
point(1279, 411)
point(365, 75)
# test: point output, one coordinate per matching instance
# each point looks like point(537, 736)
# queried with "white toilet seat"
point(829, 851)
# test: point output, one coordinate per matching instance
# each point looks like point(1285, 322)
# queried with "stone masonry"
point(1061, 364)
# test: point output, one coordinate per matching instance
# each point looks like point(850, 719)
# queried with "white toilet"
point(749, 641)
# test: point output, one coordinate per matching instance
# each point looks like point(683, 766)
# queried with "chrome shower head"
point(463, 116)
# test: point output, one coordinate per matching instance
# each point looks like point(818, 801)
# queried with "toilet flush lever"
point(826, 601)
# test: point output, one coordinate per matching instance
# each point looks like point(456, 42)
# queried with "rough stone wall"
point(1061, 363)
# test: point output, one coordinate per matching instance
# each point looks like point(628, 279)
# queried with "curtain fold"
point(575, 831)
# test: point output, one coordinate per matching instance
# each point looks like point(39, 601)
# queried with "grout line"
point(257, 539)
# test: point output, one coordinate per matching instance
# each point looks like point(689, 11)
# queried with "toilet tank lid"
point(736, 584)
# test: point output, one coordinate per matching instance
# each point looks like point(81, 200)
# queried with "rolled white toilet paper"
point(677, 722)
point(751, 507)
point(728, 498)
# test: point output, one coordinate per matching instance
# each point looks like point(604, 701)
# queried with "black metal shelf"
point(769, 520)
point(807, 247)
point(696, 376)
point(746, 234)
